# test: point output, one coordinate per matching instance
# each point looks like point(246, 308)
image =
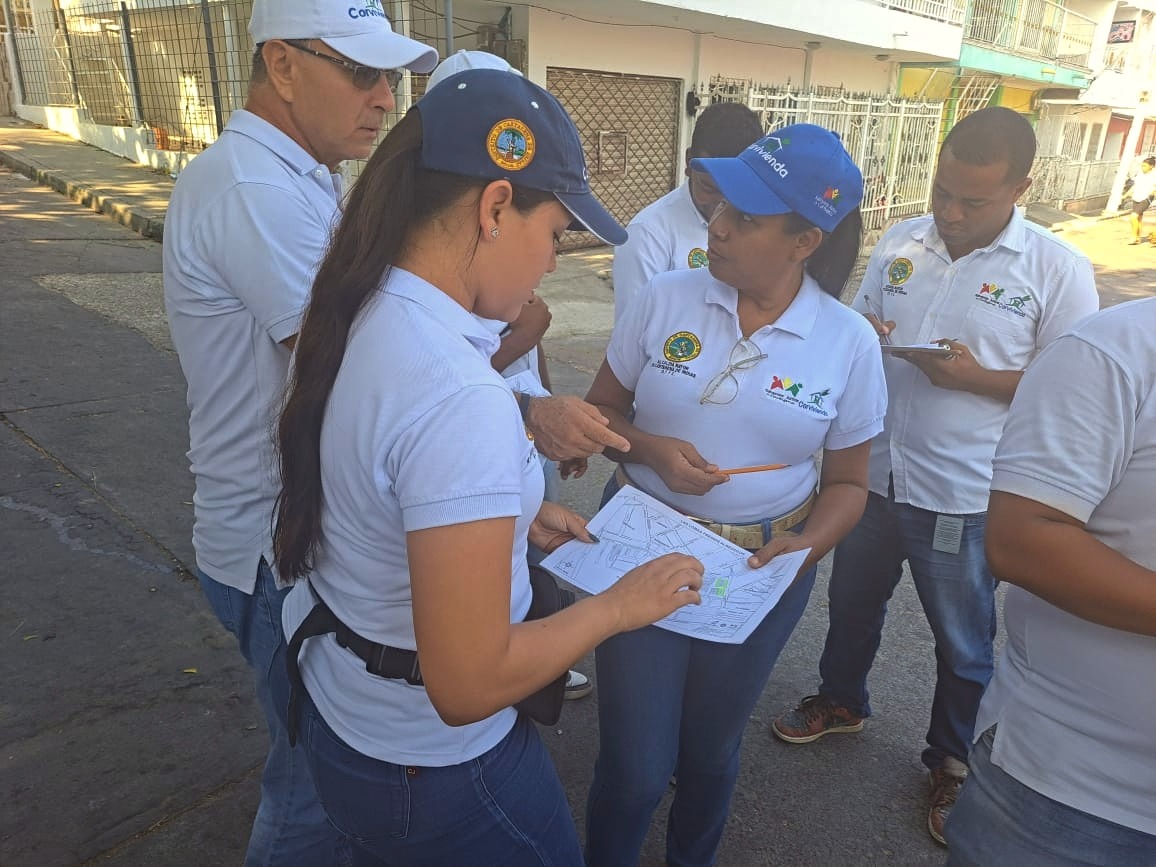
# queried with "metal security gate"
point(893, 141)
point(629, 129)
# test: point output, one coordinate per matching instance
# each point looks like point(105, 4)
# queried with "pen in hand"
point(885, 339)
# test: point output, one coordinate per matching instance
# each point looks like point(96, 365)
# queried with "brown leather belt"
point(749, 536)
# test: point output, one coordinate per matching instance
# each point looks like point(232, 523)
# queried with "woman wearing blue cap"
point(411, 490)
point(737, 375)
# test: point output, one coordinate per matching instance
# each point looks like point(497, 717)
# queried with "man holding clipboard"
point(965, 297)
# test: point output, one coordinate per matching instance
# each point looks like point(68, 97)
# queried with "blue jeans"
point(957, 592)
point(290, 828)
point(666, 701)
point(506, 807)
point(999, 820)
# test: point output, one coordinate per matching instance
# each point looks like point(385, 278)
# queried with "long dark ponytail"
point(377, 219)
point(393, 196)
point(833, 261)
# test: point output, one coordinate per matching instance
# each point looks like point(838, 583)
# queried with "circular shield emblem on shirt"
point(511, 144)
point(681, 347)
point(899, 270)
point(697, 258)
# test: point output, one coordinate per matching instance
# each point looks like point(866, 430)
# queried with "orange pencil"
point(757, 469)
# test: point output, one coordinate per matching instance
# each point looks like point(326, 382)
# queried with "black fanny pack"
point(543, 706)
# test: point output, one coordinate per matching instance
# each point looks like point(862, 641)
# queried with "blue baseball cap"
point(800, 168)
point(487, 123)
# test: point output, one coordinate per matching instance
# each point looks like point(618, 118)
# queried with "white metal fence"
point(1057, 180)
point(1032, 28)
point(948, 11)
point(893, 141)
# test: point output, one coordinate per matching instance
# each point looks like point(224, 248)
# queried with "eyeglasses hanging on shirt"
point(724, 388)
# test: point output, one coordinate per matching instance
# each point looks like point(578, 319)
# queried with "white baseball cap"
point(462, 60)
point(359, 29)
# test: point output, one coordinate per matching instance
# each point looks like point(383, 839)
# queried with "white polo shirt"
point(1075, 701)
point(419, 432)
point(1143, 185)
point(821, 386)
point(1006, 302)
point(666, 235)
point(246, 228)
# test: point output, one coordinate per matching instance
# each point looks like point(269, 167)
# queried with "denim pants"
point(291, 829)
point(999, 820)
point(957, 592)
point(505, 807)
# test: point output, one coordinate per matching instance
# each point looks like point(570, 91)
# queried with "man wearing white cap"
point(247, 225)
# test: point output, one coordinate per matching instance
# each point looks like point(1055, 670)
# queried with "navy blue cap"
point(800, 168)
point(487, 123)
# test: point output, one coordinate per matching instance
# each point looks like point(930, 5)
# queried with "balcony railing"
point(948, 11)
point(1032, 28)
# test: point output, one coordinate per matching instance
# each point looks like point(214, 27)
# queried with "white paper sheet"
point(929, 348)
point(634, 528)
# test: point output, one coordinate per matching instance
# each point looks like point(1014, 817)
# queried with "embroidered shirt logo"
point(787, 390)
point(1001, 298)
point(899, 271)
point(511, 144)
point(786, 384)
point(682, 347)
point(697, 258)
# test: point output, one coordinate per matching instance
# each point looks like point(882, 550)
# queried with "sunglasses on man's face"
point(364, 77)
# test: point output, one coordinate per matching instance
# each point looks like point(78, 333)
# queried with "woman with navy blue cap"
point(411, 490)
point(754, 365)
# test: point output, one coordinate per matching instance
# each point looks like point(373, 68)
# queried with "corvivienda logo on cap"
point(768, 156)
point(510, 144)
point(372, 9)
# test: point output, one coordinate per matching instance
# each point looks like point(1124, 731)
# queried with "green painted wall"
point(988, 60)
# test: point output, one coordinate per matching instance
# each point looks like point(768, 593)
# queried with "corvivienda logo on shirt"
point(791, 391)
point(697, 258)
point(1004, 299)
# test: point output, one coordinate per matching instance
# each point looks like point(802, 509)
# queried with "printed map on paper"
point(634, 528)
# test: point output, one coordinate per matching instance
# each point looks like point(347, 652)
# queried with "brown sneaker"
point(815, 716)
point(946, 781)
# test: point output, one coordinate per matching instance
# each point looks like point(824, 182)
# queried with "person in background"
point(1142, 193)
point(993, 289)
point(247, 225)
point(750, 362)
point(411, 492)
point(519, 357)
point(671, 233)
point(1063, 770)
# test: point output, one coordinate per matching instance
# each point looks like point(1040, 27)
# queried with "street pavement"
point(128, 730)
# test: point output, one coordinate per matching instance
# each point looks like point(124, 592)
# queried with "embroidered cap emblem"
point(511, 144)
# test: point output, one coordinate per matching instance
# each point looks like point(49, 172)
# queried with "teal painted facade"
point(1011, 66)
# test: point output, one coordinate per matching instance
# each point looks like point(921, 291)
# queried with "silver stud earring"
point(494, 232)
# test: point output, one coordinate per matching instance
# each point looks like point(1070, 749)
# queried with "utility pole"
point(1139, 115)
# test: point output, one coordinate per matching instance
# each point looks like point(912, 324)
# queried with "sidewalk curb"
point(1083, 221)
point(151, 227)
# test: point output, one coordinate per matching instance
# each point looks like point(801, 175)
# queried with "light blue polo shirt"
point(246, 228)
point(667, 235)
point(821, 386)
point(419, 432)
